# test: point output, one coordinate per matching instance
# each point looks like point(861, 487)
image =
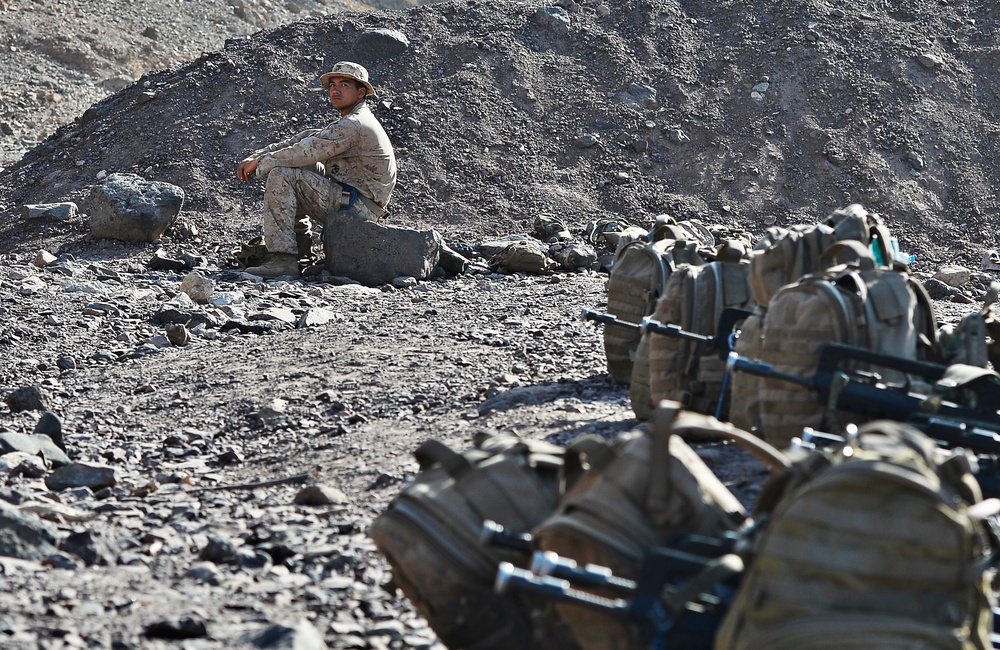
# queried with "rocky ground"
point(739, 115)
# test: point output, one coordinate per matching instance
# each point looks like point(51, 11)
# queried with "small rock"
point(939, 290)
point(50, 425)
point(94, 547)
point(185, 628)
point(44, 258)
point(586, 141)
point(991, 261)
point(19, 463)
point(66, 363)
point(35, 445)
point(161, 262)
point(27, 398)
point(404, 282)
point(61, 560)
point(319, 495)
point(198, 287)
point(55, 211)
point(88, 475)
point(206, 572)
point(24, 535)
point(178, 334)
point(300, 636)
point(248, 558)
point(315, 316)
point(929, 61)
point(219, 549)
point(953, 275)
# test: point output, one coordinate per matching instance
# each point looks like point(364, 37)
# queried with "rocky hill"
point(738, 112)
point(214, 416)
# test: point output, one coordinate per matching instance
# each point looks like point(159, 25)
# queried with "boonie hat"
point(350, 70)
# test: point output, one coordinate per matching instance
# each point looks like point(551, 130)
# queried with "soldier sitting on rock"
point(348, 164)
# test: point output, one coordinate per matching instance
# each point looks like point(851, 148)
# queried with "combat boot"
point(276, 265)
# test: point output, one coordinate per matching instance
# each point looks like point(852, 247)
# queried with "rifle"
point(722, 340)
point(662, 613)
point(974, 424)
point(653, 610)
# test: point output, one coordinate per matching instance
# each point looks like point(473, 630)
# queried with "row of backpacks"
point(870, 537)
point(880, 541)
point(793, 292)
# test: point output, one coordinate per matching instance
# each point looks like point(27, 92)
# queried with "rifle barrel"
point(606, 319)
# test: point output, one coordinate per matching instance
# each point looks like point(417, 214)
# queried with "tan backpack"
point(637, 278)
point(653, 489)
point(523, 257)
point(744, 403)
point(858, 304)
point(686, 371)
point(783, 255)
point(874, 545)
point(430, 535)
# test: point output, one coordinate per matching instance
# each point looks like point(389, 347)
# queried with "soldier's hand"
point(246, 169)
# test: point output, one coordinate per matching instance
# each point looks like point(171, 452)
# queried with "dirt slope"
point(732, 111)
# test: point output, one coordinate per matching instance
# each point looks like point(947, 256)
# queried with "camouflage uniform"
point(307, 174)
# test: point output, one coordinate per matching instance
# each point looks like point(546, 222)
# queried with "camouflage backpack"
point(859, 304)
point(431, 537)
point(692, 372)
point(653, 489)
point(780, 257)
point(523, 257)
point(637, 279)
point(877, 544)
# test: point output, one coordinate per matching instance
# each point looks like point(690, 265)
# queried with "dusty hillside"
point(57, 57)
point(738, 114)
point(732, 111)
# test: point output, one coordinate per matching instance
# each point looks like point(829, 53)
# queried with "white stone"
point(953, 275)
point(198, 287)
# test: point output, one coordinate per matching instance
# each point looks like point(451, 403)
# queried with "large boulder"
point(374, 254)
point(130, 208)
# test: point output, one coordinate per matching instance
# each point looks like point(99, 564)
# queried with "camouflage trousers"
point(291, 196)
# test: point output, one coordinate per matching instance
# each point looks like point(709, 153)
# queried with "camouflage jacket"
point(355, 150)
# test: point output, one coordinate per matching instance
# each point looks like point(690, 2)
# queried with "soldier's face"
point(345, 93)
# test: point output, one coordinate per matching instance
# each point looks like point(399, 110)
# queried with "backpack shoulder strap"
point(670, 417)
point(587, 450)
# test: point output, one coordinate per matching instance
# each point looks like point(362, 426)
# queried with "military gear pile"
point(869, 538)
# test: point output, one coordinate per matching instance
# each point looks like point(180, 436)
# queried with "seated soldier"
point(347, 164)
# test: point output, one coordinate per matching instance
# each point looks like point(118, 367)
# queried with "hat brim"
point(325, 81)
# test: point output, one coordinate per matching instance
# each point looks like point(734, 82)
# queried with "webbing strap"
point(432, 451)
point(597, 452)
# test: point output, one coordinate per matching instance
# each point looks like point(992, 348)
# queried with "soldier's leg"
point(291, 192)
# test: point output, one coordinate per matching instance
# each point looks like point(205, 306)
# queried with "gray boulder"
point(380, 45)
point(374, 254)
point(37, 444)
point(130, 208)
point(25, 536)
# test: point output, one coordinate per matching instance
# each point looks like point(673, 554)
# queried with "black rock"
point(91, 546)
point(26, 398)
point(186, 628)
point(50, 425)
